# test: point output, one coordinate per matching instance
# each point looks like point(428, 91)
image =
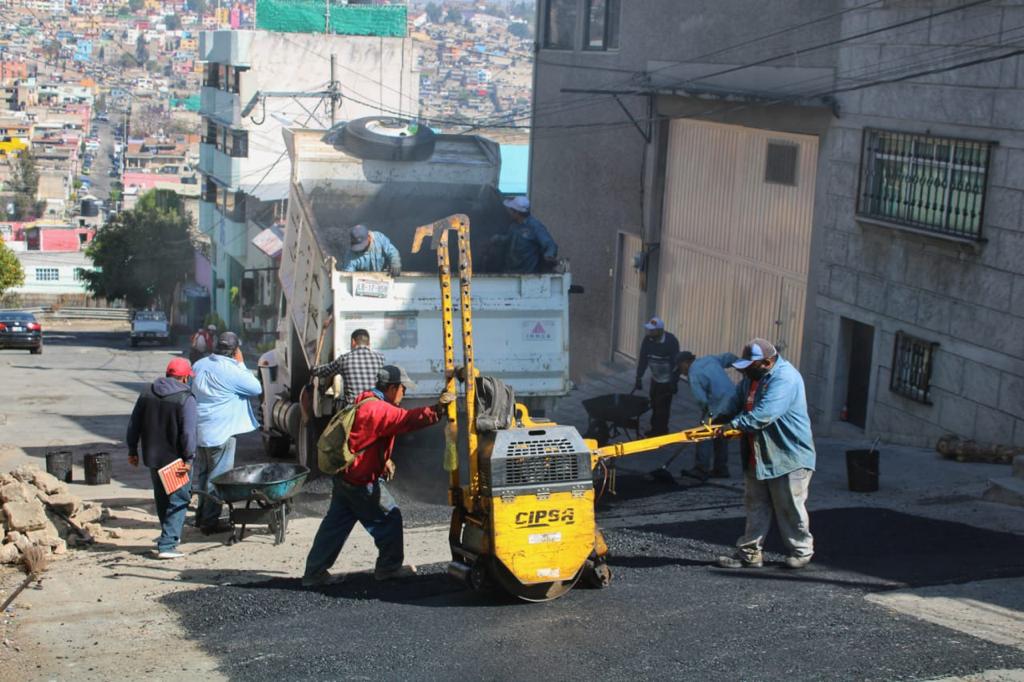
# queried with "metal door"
point(629, 297)
point(735, 240)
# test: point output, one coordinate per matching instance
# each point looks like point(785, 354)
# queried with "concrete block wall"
point(967, 298)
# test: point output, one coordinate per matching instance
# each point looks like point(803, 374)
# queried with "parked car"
point(149, 325)
point(21, 330)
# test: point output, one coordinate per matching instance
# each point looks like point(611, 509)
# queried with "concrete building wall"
point(592, 172)
point(968, 298)
point(592, 175)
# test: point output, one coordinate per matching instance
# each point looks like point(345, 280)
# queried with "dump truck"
point(393, 177)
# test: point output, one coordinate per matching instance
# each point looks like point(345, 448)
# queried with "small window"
point(211, 133)
point(602, 25)
point(240, 143)
point(912, 367)
point(560, 24)
point(79, 274)
point(209, 190)
point(47, 274)
point(930, 183)
point(780, 163)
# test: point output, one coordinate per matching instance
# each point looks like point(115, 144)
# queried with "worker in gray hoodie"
point(164, 423)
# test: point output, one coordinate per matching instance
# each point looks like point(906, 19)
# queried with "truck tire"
point(387, 138)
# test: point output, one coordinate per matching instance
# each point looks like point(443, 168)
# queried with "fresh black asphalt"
point(668, 614)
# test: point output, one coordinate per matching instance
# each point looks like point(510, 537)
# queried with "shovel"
point(662, 474)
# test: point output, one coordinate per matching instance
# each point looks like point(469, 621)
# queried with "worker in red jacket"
point(359, 493)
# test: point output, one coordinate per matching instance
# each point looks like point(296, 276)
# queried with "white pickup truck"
point(149, 325)
point(520, 321)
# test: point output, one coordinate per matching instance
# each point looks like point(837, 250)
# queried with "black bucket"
point(58, 463)
point(97, 468)
point(862, 470)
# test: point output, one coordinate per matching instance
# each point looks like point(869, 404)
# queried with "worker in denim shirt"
point(371, 251)
point(528, 244)
point(223, 388)
point(778, 456)
point(714, 391)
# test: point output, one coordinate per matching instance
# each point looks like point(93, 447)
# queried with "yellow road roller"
point(525, 520)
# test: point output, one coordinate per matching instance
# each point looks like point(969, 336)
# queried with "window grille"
point(912, 367)
point(925, 182)
point(780, 163)
point(47, 274)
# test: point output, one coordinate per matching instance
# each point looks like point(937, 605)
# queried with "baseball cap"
point(519, 204)
point(654, 323)
point(685, 356)
point(393, 374)
point(228, 342)
point(359, 237)
point(757, 349)
point(179, 367)
point(211, 327)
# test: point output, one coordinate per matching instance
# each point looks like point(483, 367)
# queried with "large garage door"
point(736, 236)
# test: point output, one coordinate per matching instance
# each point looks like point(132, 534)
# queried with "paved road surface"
point(669, 613)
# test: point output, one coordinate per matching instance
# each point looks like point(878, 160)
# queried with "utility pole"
point(327, 17)
point(334, 90)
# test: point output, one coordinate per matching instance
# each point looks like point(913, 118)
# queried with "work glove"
point(396, 269)
point(443, 401)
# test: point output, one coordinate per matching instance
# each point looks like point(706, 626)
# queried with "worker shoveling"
point(524, 519)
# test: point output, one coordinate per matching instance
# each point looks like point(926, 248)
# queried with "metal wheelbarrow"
point(613, 411)
point(266, 490)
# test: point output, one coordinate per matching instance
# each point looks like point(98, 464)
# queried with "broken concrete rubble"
point(39, 511)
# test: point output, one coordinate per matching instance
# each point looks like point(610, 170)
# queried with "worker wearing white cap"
point(658, 352)
point(529, 244)
point(777, 451)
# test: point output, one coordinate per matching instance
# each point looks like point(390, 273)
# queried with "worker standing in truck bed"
point(371, 251)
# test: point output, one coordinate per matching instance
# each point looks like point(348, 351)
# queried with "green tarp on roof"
point(308, 16)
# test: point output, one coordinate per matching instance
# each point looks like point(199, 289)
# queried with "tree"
point(136, 5)
point(172, 22)
point(197, 6)
point(11, 273)
point(141, 50)
point(26, 185)
point(519, 30)
point(142, 255)
point(434, 13)
point(454, 16)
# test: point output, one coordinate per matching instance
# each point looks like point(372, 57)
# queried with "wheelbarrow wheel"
point(279, 523)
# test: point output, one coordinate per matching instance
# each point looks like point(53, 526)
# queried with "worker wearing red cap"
point(164, 424)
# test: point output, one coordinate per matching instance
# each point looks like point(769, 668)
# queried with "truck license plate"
point(371, 288)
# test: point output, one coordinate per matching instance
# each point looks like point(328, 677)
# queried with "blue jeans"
point(370, 505)
point(716, 447)
point(170, 509)
point(209, 464)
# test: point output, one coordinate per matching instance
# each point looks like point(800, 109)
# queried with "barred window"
point(47, 274)
point(912, 367)
point(925, 182)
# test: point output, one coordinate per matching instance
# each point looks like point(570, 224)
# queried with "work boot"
point(741, 560)
point(796, 562)
point(395, 573)
point(322, 578)
point(169, 554)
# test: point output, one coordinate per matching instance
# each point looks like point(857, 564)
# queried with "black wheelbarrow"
point(609, 413)
point(266, 490)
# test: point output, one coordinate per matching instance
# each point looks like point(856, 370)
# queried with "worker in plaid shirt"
point(358, 368)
